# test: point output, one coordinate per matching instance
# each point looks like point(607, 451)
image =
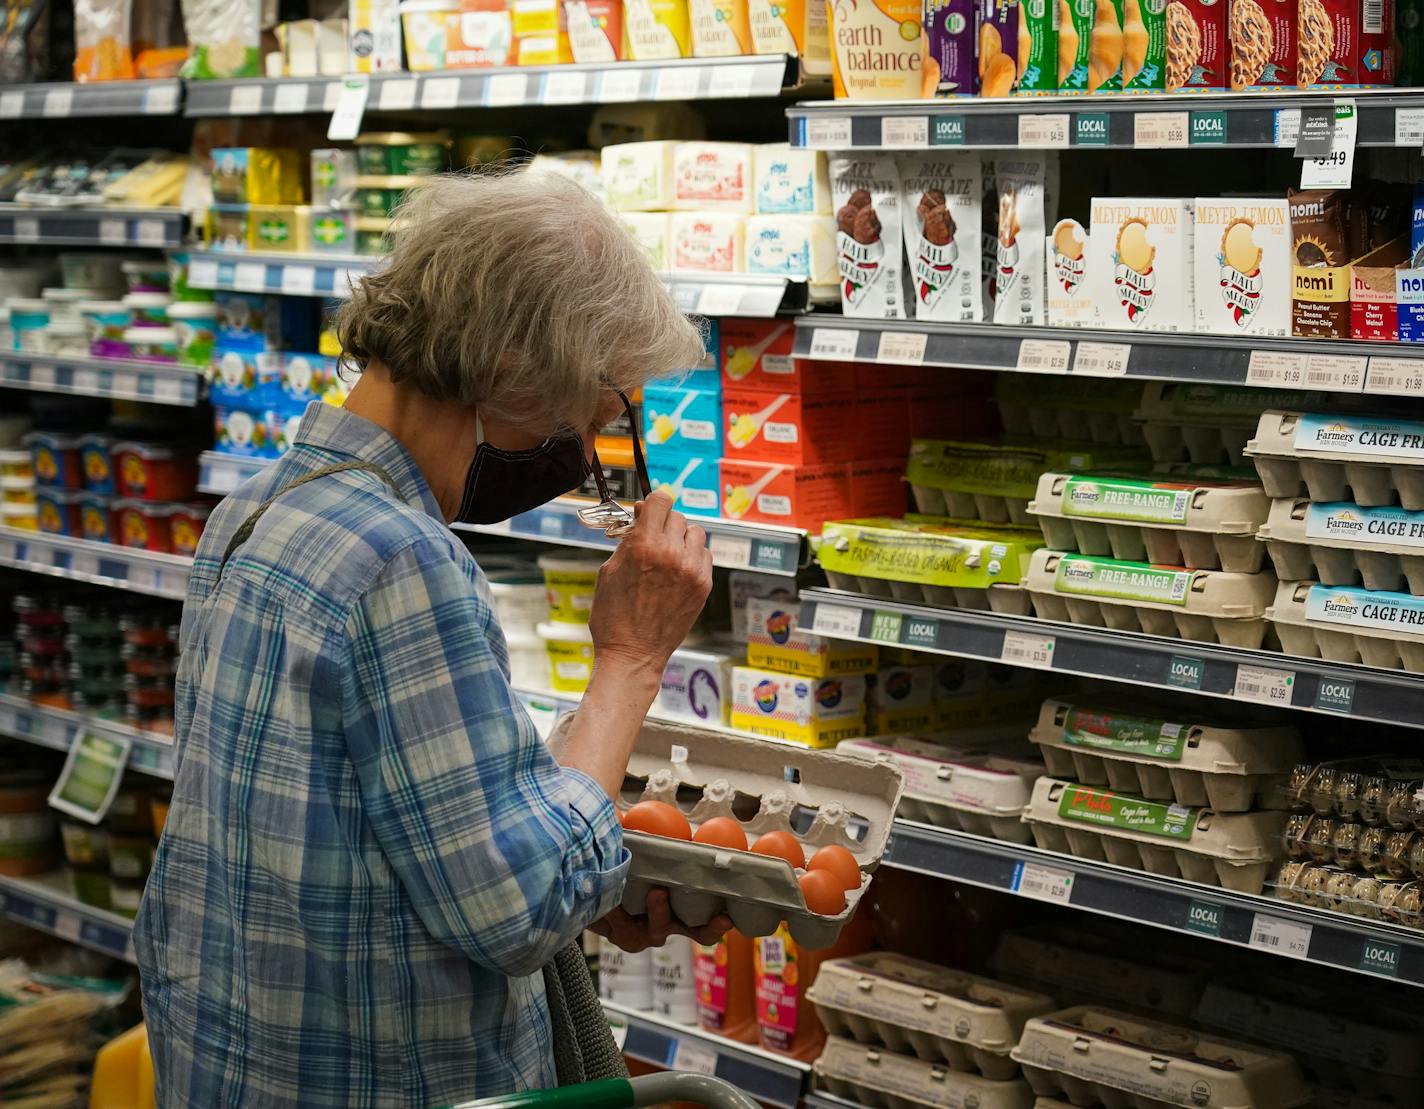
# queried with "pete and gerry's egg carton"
point(1342, 543)
point(1375, 790)
point(1381, 852)
point(881, 1079)
point(1232, 850)
point(1081, 408)
point(1341, 623)
point(1190, 762)
point(1089, 1055)
point(1348, 891)
point(1209, 424)
point(1371, 460)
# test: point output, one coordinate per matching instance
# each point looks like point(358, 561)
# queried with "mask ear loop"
point(641, 466)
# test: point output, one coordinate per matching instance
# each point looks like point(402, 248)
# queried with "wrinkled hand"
point(638, 933)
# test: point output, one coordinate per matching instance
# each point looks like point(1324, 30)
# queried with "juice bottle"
point(786, 1020)
point(726, 999)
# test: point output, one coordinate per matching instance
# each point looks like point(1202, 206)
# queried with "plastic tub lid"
point(143, 450)
point(531, 584)
point(148, 508)
point(147, 300)
point(556, 630)
point(568, 562)
point(402, 138)
point(73, 296)
point(62, 496)
point(28, 304)
point(54, 439)
point(102, 307)
point(197, 511)
point(72, 327)
point(150, 336)
point(193, 310)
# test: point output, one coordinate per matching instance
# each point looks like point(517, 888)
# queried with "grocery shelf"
point(770, 1078)
point(1262, 677)
point(292, 274)
point(1259, 922)
point(68, 100)
point(58, 728)
point(47, 902)
point(150, 227)
point(737, 294)
point(220, 474)
point(116, 379)
point(1387, 117)
point(159, 575)
point(818, 1099)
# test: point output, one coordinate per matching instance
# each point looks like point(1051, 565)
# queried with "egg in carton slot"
point(820, 797)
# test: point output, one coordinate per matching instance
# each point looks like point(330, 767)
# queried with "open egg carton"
point(994, 481)
point(1186, 761)
point(1347, 891)
point(958, 785)
point(1381, 852)
point(1342, 543)
point(1209, 424)
point(1343, 624)
point(1370, 460)
point(1081, 408)
point(1197, 524)
point(820, 797)
point(1376, 790)
point(1091, 1055)
point(1212, 606)
point(932, 560)
point(1232, 850)
point(881, 1079)
point(939, 1015)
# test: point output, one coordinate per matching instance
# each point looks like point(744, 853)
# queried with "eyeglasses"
point(608, 516)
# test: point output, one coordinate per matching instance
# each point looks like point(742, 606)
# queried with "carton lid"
point(893, 1079)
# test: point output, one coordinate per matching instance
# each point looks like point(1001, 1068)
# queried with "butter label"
point(1147, 502)
point(1360, 436)
point(1125, 735)
point(1393, 612)
point(1353, 523)
point(1104, 807)
point(1125, 581)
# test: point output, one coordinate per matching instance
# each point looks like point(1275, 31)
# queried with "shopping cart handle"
point(624, 1093)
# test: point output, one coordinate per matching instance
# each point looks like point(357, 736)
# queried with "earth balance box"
point(774, 641)
point(818, 712)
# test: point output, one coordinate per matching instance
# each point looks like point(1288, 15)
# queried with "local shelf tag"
point(91, 775)
point(1334, 169)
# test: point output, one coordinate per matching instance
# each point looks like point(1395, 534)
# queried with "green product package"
point(1409, 27)
point(1039, 19)
point(1131, 499)
point(1144, 24)
point(961, 554)
point(1100, 78)
point(1124, 581)
point(1106, 808)
point(1125, 735)
point(1010, 468)
point(1075, 40)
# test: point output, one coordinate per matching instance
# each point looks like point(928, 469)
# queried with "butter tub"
point(1340, 457)
point(864, 1074)
point(1211, 424)
point(1345, 624)
point(1343, 543)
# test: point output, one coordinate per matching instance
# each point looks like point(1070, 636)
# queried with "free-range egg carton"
point(957, 785)
point(1233, 850)
point(1069, 408)
point(880, 1079)
point(1091, 1055)
point(1192, 763)
point(963, 1021)
point(1348, 891)
point(821, 797)
point(1342, 543)
point(1379, 789)
point(1213, 606)
point(1198, 524)
point(1343, 624)
point(1370, 460)
point(1208, 424)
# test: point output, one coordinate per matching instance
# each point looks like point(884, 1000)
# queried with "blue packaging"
point(682, 419)
point(304, 378)
point(258, 321)
point(244, 377)
point(1416, 230)
point(246, 432)
point(712, 358)
point(699, 493)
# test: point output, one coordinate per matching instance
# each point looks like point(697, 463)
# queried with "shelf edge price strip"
point(1042, 883)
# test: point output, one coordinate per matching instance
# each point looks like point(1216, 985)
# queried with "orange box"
point(803, 429)
point(877, 487)
point(791, 496)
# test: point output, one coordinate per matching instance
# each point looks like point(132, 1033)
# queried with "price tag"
point(905, 132)
point(27, 229)
point(1263, 684)
point(1160, 130)
point(1287, 126)
point(1044, 356)
point(298, 280)
point(58, 102)
point(67, 926)
point(616, 85)
point(1269, 367)
point(351, 95)
point(504, 89)
point(160, 100)
point(1408, 127)
point(1402, 377)
point(828, 132)
point(1334, 169)
point(290, 99)
point(1101, 359)
point(90, 777)
point(167, 389)
point(836, 620)
point(245, 100)
point(1340, 372)
point(730, 80)
point(439, 92)
point(904, 347)
point(331, 97)
point(835, 344)
point(565, 88)
point(1028, 649)
point(42, 377)
point(152, 232)
point(113, 231)
point(732, 551)
point(203, 273)
point(719, 300)
point(1281, 937)
point(694, 1057)
point(678, 83)
point(1042, 883)
point(86, 381)
point(250, 277)
point(398, 95)
point(342, 281)
point(1043, 131)
point(12, 105)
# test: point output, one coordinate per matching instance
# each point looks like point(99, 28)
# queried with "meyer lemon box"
point(1139, 261)
point(775, 642)
point(819, 712)
point(1242, 258)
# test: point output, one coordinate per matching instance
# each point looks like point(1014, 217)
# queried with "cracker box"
point(1242, 259)
point(1140, 261)
point(1038, 47)
point(941, 195)
point(950, 68)
point(1144, 39)
point(1328, 32)
point(818, 712)
point(776, 642)
point(1262, 37)
point(1196, 45)
point(1070, 294)
point(998, 47)
point(1075, 37)
point(1374, 292)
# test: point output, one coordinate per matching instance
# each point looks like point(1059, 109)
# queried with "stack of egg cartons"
point(682, 432)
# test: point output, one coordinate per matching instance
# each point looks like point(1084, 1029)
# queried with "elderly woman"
point(370, 855)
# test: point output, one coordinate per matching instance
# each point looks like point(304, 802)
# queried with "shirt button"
point(587, 887)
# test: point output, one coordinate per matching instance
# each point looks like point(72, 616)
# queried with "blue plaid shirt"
point(370, 854)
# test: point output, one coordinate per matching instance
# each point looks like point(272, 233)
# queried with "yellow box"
point(818, 712)
point(775, 642)
point(570, 650)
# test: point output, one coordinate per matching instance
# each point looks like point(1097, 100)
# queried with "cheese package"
point(656, 30)
point(793, 246)
point(865, 190)
point(651, 231)
point(720, 28)
point(1242, 258)
point(708, 242)
point(940, 197)
point(787, 181)
point(638, 176)
point(1070, 294)
point(818, 712)
point(1140, 262)
point(712, 176)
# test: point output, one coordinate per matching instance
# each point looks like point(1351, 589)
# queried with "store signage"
point(1208, 129)
point(947, 131)
point(1184, 672)
point(1204, 918)
point(1378, 957)
point(1090, 129)
point(1335, 695)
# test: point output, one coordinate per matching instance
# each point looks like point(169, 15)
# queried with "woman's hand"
point(638, 933)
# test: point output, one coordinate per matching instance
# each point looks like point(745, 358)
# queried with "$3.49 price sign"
point(1334, 169)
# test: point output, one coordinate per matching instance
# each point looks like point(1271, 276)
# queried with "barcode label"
point(1408, 126)
point(506, 88)
point(1043, 131)
point(1027, 649)
point(1268, 367)
point(836, 620)
point(903, 347)
point(398, 95)
point(828, 133)
point(1044, 356)
point(1159, 129)
point(905, 132)
point(1102, 359)
point(1341, 373)
point(731, 551)
point(1263, 684)
point(1043, 883)
point(694, 1058)
point(1395, 376)
point(833, 342)
point(1281, 937)
point(1372, 23)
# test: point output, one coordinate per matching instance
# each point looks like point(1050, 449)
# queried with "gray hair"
point(520, 294)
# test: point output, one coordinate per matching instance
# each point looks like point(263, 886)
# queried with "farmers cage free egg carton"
point(1185, 760)
point(867, 1075)
point(820, 797)
point(1350, 892)
point(1343, 543)
point(1206, 525)
point(1073, 408)
point(1232, 850)
point(1371, 460)
point(1212, 606)
point(1344, 624)
point(1381, 852)
point(1211, 424)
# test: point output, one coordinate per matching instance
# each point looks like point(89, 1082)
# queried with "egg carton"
point(1380, 789)
point(1382, 852)
point(953, 786)
point(1372, 461)
point(1232, 850)
point(1208, 424)
point(1069, 408)
point(1347, 891)
point(1213, 606)
point(1200, 525)
point(1198, 764)
point(1343, 624)
point(943, 1016)
point(880, 1079)
point(932, 560)
point(819, 796)
point(1342, 543)
point(1087, 1053)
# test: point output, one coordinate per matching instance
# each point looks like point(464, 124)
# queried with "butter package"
point(879, 50)
point(792, 182)
point(1037, 71)
point(595, 30)
point(940, 199)
point(652, 232)
point(720, 28)
point(1262, 38)
point(1140, 260)
point(770, 24)
point(333, 178)
point(697, 686)
point(799, 247)
point(865, 189)
point(1196, 45)
point(810, 24)
point(694, 482)
point(683, 419)
point(708, 242)
point(1320, 264)
point(255, 175)
point(818, 712)
point(638, 176)
point(1242, 258)
point(482, 36)
point(743, 585)
point(900, 699)
point(949, 38)
point(657, 30)
point(1020, 181)
point(1070, 294)
point(999, 39)
point(375, 35)
point(775, 642)
point(712, 176)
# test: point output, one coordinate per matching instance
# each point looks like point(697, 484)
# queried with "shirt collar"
point(334, 430)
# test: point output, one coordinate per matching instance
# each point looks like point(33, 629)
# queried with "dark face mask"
point(501, 484)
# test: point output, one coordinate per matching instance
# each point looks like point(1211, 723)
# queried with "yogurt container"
point(96, 463)
point(528, 661)
point(148, 308)
point(105, 322)
point(28, 319)
point(187, 526)
point(195, 331)
point(58, 512)
point(66, 339)
point(245, 432)
point(55, 459)
point(152, 344)
point(64, 303)
point(569, 582)
point(21, 516)
point(146, 276)
point(144, 525)
point(96, 521)
point(570, 651)
point(154, 473)
point(520, 603)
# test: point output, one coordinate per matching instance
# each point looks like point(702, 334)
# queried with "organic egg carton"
point(1380, 789)
point(1346, 891)
point(943, 1016)
point(1197, 764)
point(1208, 424)
point(953, 786)
point(1341, 543)
point(1200, 525)
point(881, 1079)
point(1233, 850)
point(1343, 624)
point(1372, 461)
point(820, 796)
point(1213, 606)
point(1087, 1054)
point(1069, 408)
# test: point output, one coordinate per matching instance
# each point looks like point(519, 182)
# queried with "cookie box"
point(1228, 769)
point(1342, 543)
point(1210, 423)
point(954, 563)
point(944, 1016)
point(1344, 624)
point(1375, 790)
point(1200, 525)
point(865, 1075)
point(957, 786)
point(1081, 408)
point(822, 797)
point(1372, 461)
point(1233, 850)
point(1213, 606)
point(1346, 891)
point(1087, 1053)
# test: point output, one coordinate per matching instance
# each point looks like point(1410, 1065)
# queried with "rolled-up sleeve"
point(506, 855)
